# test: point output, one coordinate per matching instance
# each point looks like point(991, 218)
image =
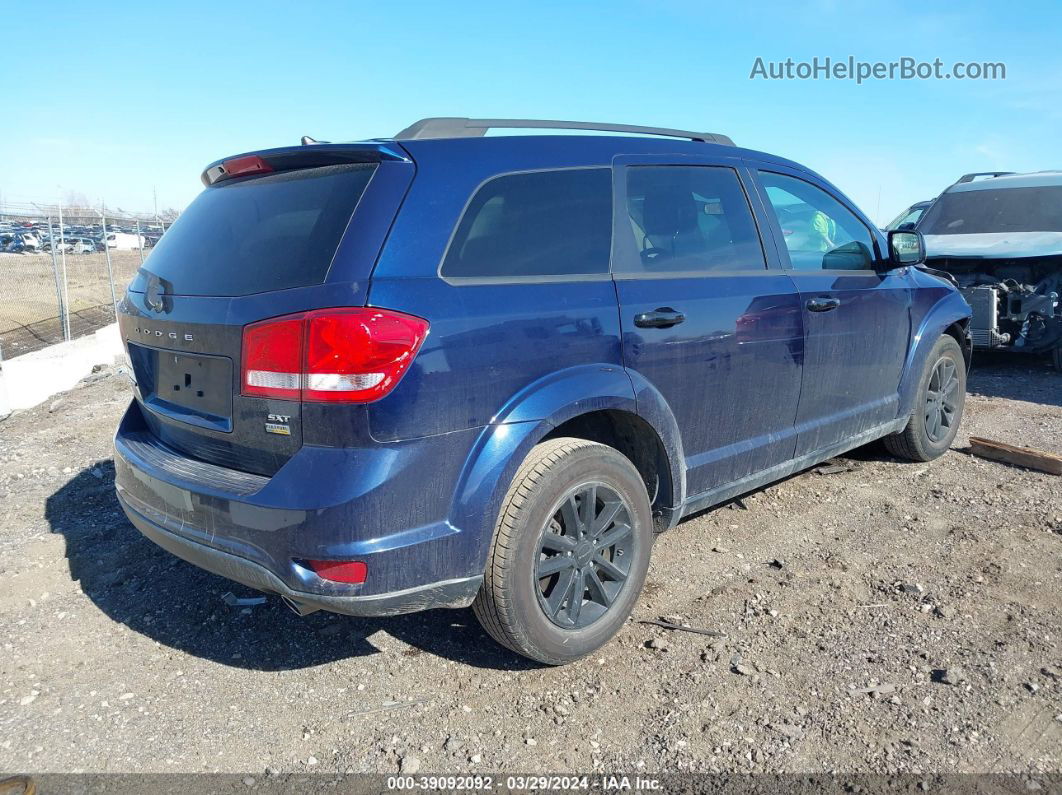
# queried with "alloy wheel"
point(942, 394)
point(584, 556)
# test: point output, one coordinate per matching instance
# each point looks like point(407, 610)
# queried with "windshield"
point(908, 216)
point(978, 212)
point(265, 233)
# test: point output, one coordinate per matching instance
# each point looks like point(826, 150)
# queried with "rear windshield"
point(264, 233)
point(979, 212)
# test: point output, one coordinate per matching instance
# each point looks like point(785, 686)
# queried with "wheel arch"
point(601, 403)
point(950, 315)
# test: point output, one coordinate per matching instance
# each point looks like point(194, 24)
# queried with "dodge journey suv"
point(449, 369)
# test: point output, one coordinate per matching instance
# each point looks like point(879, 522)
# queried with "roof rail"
point(976, 174)
point(456, 127)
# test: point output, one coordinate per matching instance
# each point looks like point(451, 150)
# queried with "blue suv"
point(447, 369)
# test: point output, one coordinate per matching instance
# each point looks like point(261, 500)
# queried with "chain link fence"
point(62, 269)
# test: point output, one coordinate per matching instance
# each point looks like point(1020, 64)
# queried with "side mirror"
point(906, 247)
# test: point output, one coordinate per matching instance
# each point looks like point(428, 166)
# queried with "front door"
point(857, 312)
point(704, 318)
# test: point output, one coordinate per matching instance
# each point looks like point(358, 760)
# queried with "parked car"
point(11, 243)
point(909, 218)
point(1001, 239)
point(60, 245)
point(83, 245)
point(431, 371)
point(20, 241)
point(124, 241)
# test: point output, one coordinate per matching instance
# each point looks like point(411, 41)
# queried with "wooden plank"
point(1016, 456)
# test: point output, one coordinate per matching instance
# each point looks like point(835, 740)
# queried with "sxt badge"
point(278, 423)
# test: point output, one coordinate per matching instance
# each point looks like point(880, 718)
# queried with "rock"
point(25, 701)
point(944, 612)
point(451, 744)
point(97, 473)
point(55, 405)
point(248, 781)
point(530, 741)
point(311, 761)
point(409, 766)
point(720, 550)
point(744, 670)
point(914, 589)
point(776, 563)
point(952, 676)
point(475, 759)
point(1032, 687)
point(657, 643)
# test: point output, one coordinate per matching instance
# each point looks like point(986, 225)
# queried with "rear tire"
point(932, 426)
point(1056, 358)
point(564, 570)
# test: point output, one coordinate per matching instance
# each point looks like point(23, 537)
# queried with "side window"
point(542, 223)
point(690, 218)
point(820, 233)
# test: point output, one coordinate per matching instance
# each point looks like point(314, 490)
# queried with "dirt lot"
point(911, 620)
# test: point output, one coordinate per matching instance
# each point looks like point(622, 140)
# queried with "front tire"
point(570, 552)
point(932, 426)
point(1056, 358)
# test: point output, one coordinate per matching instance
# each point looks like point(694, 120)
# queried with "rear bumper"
point(376, 505)
point(450, 593)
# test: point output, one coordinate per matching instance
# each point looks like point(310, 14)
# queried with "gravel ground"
point(878, 616)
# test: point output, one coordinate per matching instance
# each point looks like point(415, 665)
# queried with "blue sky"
point(112, 102)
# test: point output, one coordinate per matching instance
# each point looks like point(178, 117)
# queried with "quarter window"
point(819, 232)
point(690, 219)
point(542, 223)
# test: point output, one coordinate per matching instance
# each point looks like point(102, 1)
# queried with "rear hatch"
point(274, 233)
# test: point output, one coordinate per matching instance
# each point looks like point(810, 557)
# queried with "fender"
point(533, 413)
point(950, 307)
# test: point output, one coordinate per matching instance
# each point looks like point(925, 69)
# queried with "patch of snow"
point(32, 378)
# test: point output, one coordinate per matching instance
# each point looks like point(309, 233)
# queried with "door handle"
point(822, 304)
point(663, 317)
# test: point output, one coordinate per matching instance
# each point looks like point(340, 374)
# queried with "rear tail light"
point(330, 355)
point(349, 571)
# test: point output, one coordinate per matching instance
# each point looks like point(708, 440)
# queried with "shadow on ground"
point(1016, 377)
point(142, 586)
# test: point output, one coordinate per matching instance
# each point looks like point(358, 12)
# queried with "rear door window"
point(265, 233)
point(535, 224)
point(690, 219)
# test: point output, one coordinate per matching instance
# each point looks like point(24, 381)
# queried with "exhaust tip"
point(297, 607)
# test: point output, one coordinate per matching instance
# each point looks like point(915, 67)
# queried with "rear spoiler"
point(292, 158)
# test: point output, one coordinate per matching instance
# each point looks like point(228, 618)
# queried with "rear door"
point(284, 239)
point(706, 319)
point(856, 310)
